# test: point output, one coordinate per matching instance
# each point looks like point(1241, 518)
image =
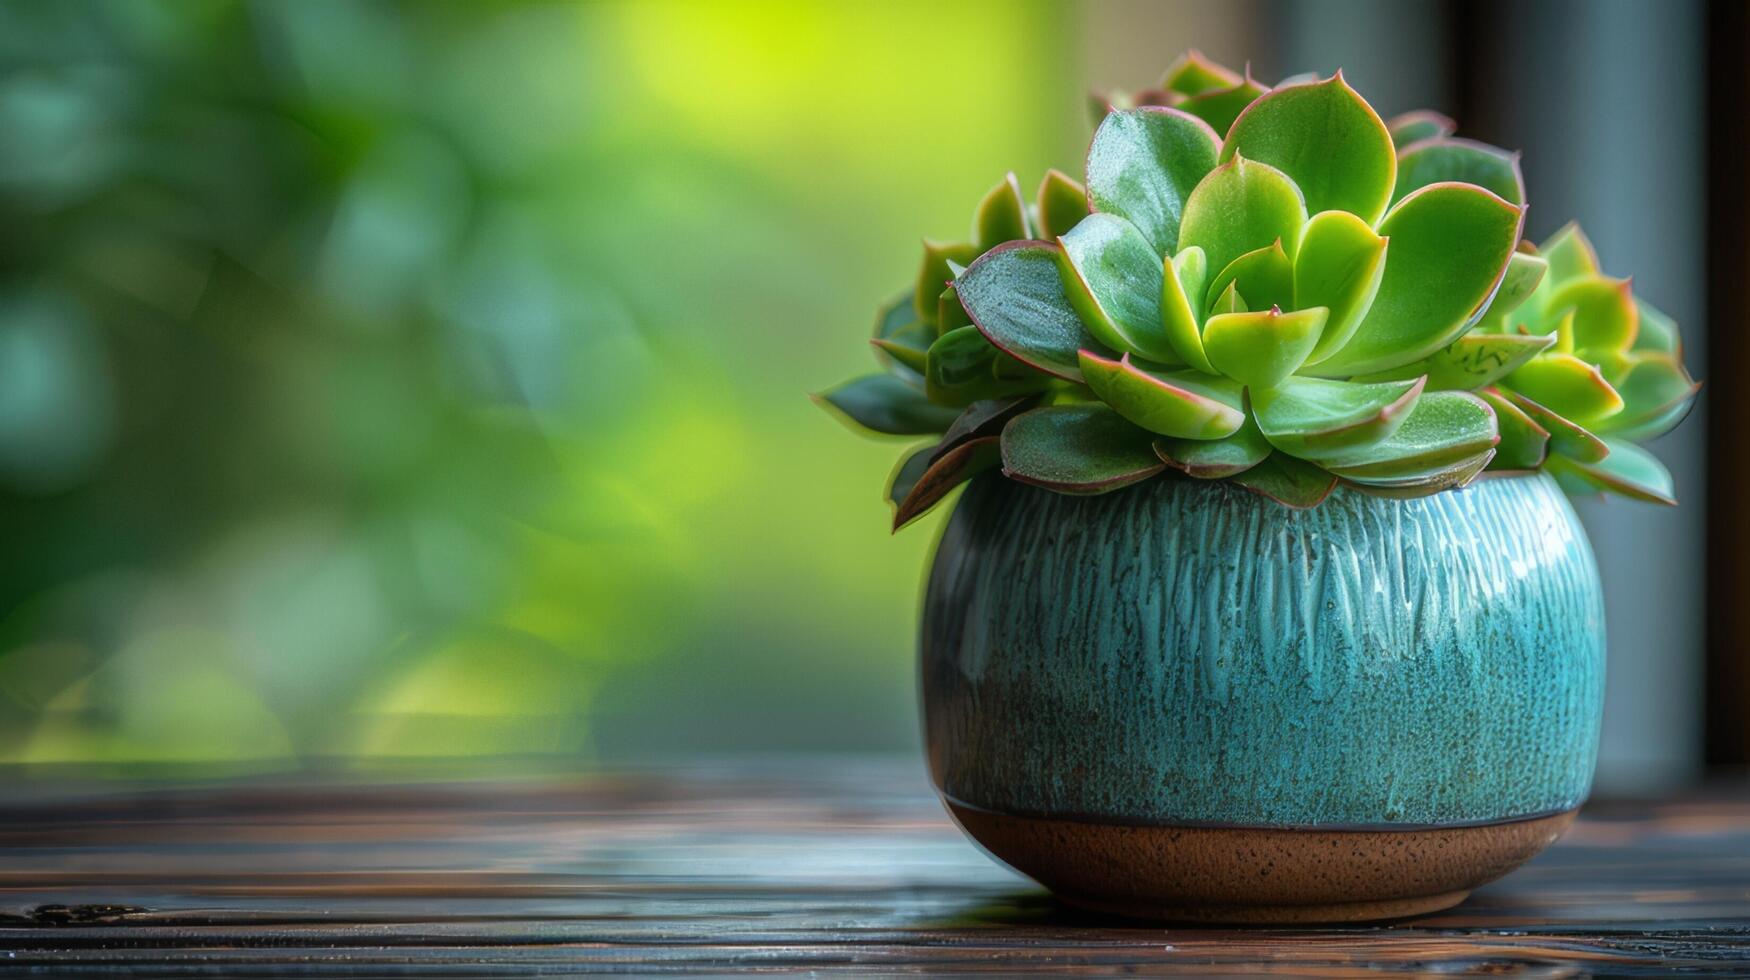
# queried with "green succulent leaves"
point(1263, 277)
point(1060, 204)
point(1327, 139)
point(1077, 449)
point(1418, 125)
point(886, 405)
point(1274, 287)
point(1449, 249)
point(1437, 161)
point(1339, 267)
point(1112, 276)
point(1314, 419)
point(1239, 207)
point(1184, 404)
point(1183, 280)
point(1142, 165)
point(1443, 431)
point(1001, 216)
point(1214, 459)
point(1219, 107)
point(1261, 349)
point(1016, 296)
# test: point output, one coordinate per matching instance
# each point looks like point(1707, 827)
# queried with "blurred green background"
point(426, 381)
point(429, 379)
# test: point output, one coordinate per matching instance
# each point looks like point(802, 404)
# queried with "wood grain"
point(822, 865)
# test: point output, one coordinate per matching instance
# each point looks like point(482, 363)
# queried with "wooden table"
point(815, 864)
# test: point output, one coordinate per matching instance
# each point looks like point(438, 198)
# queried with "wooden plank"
point(827, 866)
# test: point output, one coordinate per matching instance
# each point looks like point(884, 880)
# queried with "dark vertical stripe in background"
point(1728, 273)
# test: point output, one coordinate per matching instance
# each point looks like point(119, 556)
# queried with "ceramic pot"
point(1183, 701)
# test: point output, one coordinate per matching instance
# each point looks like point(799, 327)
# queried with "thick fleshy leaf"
point(1077, 449)
point(980, 419)
point(1185, 404)
point(1213, 459)
point(1288, 481)
point(1656, 394)
point(1569, 253)
point(1525, 272)
point(1182, 309)
point(1524, 444)
point(1228, 302)
point(1419, 125)
point(1327, 139)
point(884, 404)
point(1339, 266)
point(1437, 160)
point(1061, 203)
point(1260, 349)
point(1565, 436)
point(895, 315)
point(1001, 216)
point(1426, 482)
point(1567, 384)
point(901, 338)
point(1192, 73)
point(1113, 278)
point(934, 274)
point(1442, 429)
point(1658, 332)
point(908, 471)
point(1470, 362)
point(1142, 165)
point(1313, 418)
point(963, 367)
point(1568, 477)
point(1242, 205)
point(905, 360)
point(1605, 316)
point(1659, 424)
point(940, 476)
point(1450, 245)
point(1613, 364)
point(1263, 276)
point(1014, 294)
point(1628, 470)
point(1220, 107)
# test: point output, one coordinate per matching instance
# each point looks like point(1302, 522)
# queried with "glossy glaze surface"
point(1188, 653)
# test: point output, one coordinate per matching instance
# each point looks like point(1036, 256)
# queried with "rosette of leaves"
point(1310, 296)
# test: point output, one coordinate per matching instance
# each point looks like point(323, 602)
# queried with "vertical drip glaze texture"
point(1187, 652)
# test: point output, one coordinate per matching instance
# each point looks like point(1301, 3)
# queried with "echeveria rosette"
point(1240, 298)
point(1309, 295)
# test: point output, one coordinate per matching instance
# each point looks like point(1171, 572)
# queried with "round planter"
point(1183, 701)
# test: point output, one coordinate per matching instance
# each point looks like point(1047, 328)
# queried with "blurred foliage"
point(426, 379)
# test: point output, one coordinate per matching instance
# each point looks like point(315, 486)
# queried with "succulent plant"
point(1317, 296)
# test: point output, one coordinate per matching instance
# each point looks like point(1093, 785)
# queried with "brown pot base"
point(1258, 875)
point(1400, 908)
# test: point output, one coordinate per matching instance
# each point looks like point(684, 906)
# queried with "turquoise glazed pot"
point(1182, 700)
